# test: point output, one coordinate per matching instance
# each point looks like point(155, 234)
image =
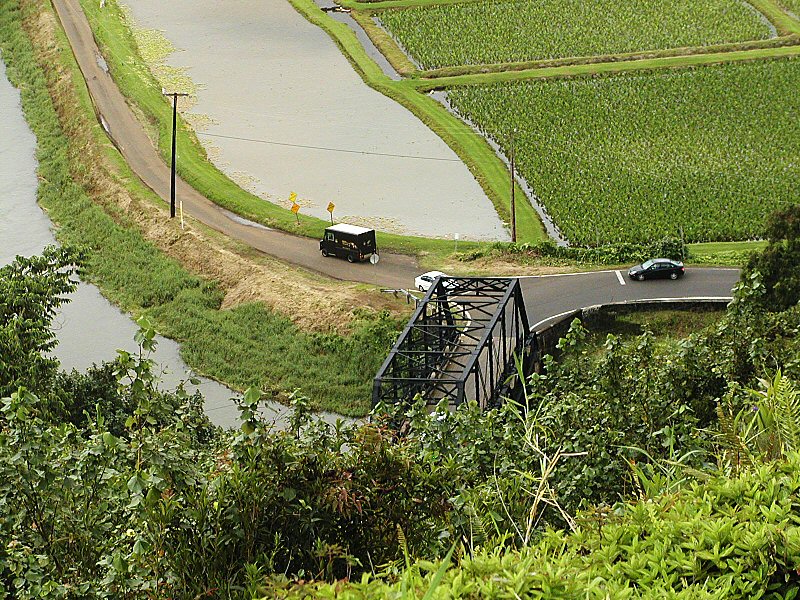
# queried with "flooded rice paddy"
point(283, 111)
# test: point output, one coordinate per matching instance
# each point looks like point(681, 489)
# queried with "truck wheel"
point(325, 253)
point(350, 258)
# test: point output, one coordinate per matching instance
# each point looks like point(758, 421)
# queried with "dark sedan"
point(657, 268)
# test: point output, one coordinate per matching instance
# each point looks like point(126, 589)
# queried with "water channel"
point(285, 111)
point(89, 328)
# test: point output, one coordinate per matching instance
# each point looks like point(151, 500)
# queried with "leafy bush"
point(31, 290)
point(725, 538)
point(606, 254)
point(779, 264)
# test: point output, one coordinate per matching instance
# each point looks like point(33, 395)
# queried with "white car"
point(425, 281)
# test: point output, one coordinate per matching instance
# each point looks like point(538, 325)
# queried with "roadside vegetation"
point(667, 327)
point(652, 471)
point(488, 32)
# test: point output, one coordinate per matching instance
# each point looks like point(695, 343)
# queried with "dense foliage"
point(636, 158)
point(606, 254)
point(112, 488)
point(499, 32)
point(725, 538)
point(779, 263)
point(31, 290)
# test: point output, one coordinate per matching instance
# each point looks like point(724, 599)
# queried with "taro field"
point(792, 5)
point(499, 32)
point(638, 157)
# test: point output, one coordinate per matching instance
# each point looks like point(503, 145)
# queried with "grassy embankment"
point(668, 326)
point(607, 68)
point(246, 345)
point(137, 84)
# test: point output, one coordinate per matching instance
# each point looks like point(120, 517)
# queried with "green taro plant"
point(489, 31)
point(703, 155)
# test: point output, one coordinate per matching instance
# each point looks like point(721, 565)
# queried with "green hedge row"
point(607, 254)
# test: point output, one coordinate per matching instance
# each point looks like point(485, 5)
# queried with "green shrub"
point(726, 538)
point(606, 254)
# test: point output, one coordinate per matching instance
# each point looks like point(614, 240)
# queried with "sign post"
point(331, 206)
point(295, 206)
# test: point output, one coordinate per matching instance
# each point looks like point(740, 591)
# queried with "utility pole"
point(174, 129)
point(513, 204)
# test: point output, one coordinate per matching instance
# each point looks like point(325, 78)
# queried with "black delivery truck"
point(348, 241)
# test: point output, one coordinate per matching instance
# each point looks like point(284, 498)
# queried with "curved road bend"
point(544, 296)
point(550, 295)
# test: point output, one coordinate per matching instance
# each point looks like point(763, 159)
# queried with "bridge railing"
point(460, 344)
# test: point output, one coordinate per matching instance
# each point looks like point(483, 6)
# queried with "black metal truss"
point(463, 342)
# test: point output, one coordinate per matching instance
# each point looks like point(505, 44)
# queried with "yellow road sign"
point(331, 206)
point(295, 208)
point(293, 198)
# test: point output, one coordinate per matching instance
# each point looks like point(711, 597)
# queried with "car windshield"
point(647, 264)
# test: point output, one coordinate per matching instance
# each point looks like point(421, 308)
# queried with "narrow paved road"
point(393, 270)
point(548, 296)
point(544, 296)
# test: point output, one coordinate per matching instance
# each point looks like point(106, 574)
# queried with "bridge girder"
point(462, 343)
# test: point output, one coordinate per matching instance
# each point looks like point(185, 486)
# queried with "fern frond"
point(783, 397)
point(730, 440)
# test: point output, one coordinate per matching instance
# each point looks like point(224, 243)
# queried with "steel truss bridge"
point(467, 339)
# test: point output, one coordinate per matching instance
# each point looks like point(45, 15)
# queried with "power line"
point(243, 139)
